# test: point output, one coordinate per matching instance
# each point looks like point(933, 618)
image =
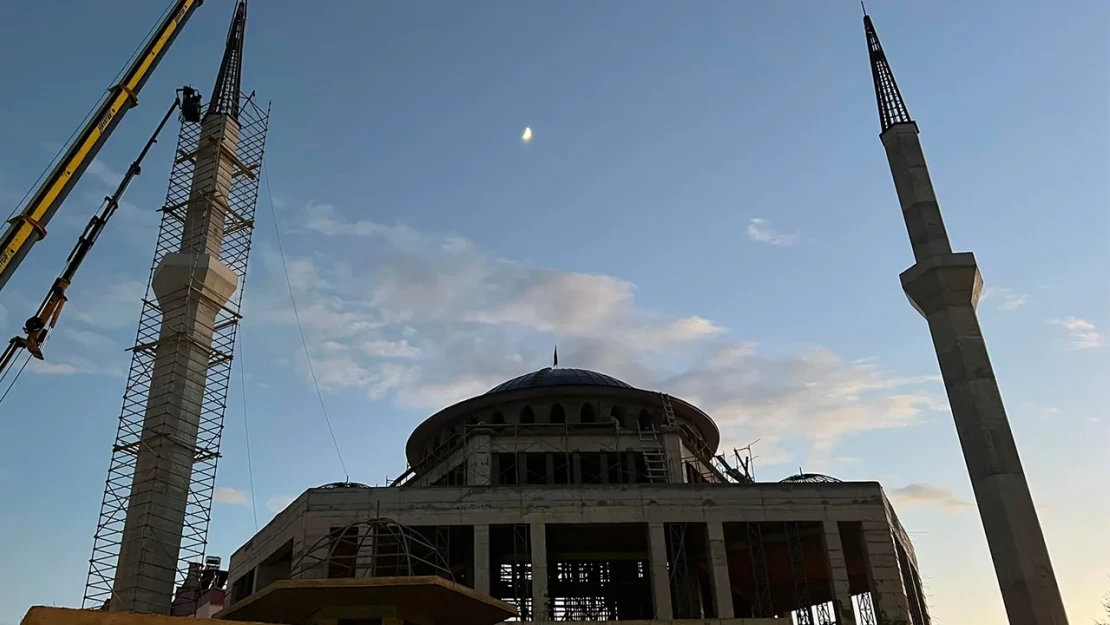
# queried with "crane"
point(29, 226)
point(36, 328)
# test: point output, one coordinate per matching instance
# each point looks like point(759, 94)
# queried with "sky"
point(704, 209)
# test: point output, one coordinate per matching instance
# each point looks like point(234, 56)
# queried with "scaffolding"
point(682, 603)
point(147, 422)
point(378, 547)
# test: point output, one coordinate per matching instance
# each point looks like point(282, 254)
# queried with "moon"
point(526, 137)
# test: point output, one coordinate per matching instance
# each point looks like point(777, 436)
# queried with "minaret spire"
point(944, 287)
point(892, 108)
point(225, 94)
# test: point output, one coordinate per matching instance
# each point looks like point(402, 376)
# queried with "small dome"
point(558, 377)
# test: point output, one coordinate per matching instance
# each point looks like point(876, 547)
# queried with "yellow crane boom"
point(29, 226)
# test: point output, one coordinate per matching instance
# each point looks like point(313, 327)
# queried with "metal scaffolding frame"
point(140, 423)
point(762, 604)
point(802, 614)
point(682, 604)
point(379, 547)
point(864, 608)
point(521, 574)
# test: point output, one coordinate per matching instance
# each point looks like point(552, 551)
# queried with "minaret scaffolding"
point(158, 496)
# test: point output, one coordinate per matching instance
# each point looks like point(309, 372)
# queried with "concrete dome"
point(558, 377)
point(541, 390)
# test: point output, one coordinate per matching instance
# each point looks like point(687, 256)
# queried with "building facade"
point(578, 498)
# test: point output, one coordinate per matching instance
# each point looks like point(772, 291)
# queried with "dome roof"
point(549, 376)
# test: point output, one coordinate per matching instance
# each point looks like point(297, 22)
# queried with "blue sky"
point(705, 209)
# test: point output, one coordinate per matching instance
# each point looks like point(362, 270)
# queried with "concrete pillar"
point(481, 559)
point(838, 574)
point(718, 558)
point(945, 287)
point(479, 464)
point(660, 581)
point(672, 450)
point(884, 577)
point(191, 287)
point(538, 532)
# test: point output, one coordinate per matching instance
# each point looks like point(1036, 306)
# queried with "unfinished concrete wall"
point(821, 511)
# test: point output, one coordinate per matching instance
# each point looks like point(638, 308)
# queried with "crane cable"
point(15, 379)
point(246, 426)
point(300, 328)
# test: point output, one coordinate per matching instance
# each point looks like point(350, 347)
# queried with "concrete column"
point(479, 464)
point(672, 450)
point(838, 574)
point(718, 558)
point(481, 559)
point(945, 287)
point(884, 577)
point(538, 532)
point(660, 582)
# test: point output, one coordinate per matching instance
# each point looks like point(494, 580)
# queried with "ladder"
point(655, 460)
point(668, 411)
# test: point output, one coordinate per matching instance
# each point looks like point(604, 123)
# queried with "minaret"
point(944, 287)
point(192, 286)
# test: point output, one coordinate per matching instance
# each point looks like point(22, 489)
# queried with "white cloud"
point(424, 321)
point(760, 231)
point(1083, 333)
point(277, 503)
point(390, 349)
point(104, 174)
point(928, 495)
point(230, 496)
point(1007, 299)
point(71, 365)
point(92, 340)
point(110, 305)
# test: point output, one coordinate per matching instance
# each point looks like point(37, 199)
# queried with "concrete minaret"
point(191, 286)
point(944, 287)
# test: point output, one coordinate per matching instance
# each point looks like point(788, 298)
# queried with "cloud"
point(1083, 333)
point(91, 340)
point(277, 503)
point(231, 496)
point(111, 305)
point(390, 349)
point(1007, 299)
point(104, 174)
point(72, 365)
point(422, 321)
point(760, 231)
point(928, 495)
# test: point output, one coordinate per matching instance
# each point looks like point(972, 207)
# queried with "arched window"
point(644, 420)
point(498, 418)
point(588, 414)
point(557, 414)
point(617, 414)
point(527, 416)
